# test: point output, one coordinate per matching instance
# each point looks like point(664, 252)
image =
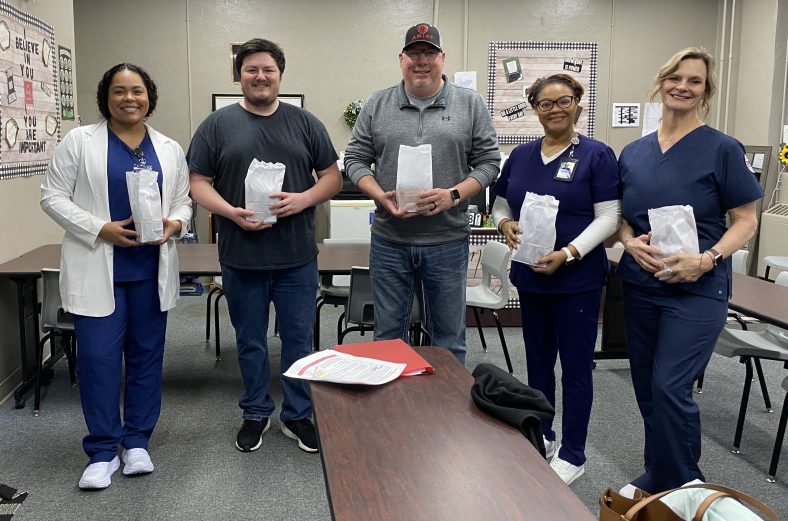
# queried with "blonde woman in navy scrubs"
point(675, 308)
point(559, 302)
point(118, 289)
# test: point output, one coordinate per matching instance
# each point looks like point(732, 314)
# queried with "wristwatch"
point(715, 256)
point(455, 196)
point(569, 257)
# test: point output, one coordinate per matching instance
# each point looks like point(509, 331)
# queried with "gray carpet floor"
point(200, 475)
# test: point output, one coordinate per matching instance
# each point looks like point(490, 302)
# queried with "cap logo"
point(423, 28)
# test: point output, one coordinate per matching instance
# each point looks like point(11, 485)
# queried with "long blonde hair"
point(670, 66)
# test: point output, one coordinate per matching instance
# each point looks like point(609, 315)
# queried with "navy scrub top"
point(705, 169)
point(595, 180)
point(137, 262)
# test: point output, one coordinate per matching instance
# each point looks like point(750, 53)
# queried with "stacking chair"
point(778, 440)
point(739, 264)
point(333, 290)
point(495, 264)
point(359, 314)
point(54, 323)
point(770, 343)
point(214, 296)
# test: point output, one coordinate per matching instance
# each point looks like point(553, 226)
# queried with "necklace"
point(552, 149)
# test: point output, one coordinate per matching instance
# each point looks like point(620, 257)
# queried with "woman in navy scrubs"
point(559, 302)
point(674, 308)
point(118, 289)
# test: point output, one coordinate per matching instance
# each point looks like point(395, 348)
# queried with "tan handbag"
point(615, 507)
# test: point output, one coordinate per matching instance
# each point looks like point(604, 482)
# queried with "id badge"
point(566, 169)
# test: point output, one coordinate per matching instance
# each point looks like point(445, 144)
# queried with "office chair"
point(359, 314)
point(54, 323)
point(495, 264)
point(769, 344)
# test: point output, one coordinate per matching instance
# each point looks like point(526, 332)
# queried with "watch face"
point(455, 194)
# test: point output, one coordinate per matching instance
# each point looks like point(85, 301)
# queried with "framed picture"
point(223, 100)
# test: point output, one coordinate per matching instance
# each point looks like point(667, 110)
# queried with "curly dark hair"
point(102, 93)
point(560, 79)
point(256, 45)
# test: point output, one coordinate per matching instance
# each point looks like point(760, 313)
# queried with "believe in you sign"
point(29, 99)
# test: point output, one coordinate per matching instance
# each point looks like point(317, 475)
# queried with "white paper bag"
point(673, 230)
point(537, 221)
point(414, 175)
point(145, 201)
point(262, 179)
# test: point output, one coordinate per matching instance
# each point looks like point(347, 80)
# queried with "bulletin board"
point(29, 94)
point(514, 66)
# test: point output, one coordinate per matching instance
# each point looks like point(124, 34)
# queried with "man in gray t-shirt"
point(264, 263)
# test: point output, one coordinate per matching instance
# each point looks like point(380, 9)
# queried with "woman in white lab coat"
point(118, 289)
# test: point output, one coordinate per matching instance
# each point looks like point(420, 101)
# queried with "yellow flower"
point(784, 154)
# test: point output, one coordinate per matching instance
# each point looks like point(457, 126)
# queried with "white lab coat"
point(74, 194)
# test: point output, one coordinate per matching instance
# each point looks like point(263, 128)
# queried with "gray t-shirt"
point(223, 148)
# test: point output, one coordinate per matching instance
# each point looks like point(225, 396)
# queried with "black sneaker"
point(250, 437)
point(303, 432)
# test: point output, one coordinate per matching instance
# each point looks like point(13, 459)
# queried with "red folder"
point(395, 351)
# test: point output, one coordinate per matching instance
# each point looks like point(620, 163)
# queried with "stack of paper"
point(365, 363)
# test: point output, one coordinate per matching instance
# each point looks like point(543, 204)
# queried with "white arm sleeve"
point(607, 217)
point(501, 210)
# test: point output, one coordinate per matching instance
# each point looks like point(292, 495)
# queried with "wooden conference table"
point(194, 260)
point(419, 448)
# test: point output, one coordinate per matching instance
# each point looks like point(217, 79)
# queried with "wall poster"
point(514, 66)
point(66, 70)
point(29, 94)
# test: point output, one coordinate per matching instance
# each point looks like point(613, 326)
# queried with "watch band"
point(455, 196)
point(716, 256)
point(569, 257)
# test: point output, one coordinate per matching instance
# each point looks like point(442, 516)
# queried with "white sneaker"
point(99, 475)
point(565, 470)
point(136, 461)
point(549, 448)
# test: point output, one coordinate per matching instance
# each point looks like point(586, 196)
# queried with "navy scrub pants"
point(134, 332)
point(670, 336)
point(563, 325)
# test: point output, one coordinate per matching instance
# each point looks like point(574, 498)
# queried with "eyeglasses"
point(563, 102)
point(429, 54)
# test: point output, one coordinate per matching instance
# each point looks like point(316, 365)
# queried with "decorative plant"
point(351, 112)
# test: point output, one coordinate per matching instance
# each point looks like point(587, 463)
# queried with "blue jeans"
point(442, 269)
point(133, 333)
point(249, 294)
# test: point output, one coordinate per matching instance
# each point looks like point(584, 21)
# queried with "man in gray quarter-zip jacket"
point(428, 247)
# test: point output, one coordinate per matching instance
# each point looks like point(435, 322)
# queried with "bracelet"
point(500, 225)
point(711, 256)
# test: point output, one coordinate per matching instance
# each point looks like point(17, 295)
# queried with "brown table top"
point(194, 259)
point(761, 299)
point(419, 448)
